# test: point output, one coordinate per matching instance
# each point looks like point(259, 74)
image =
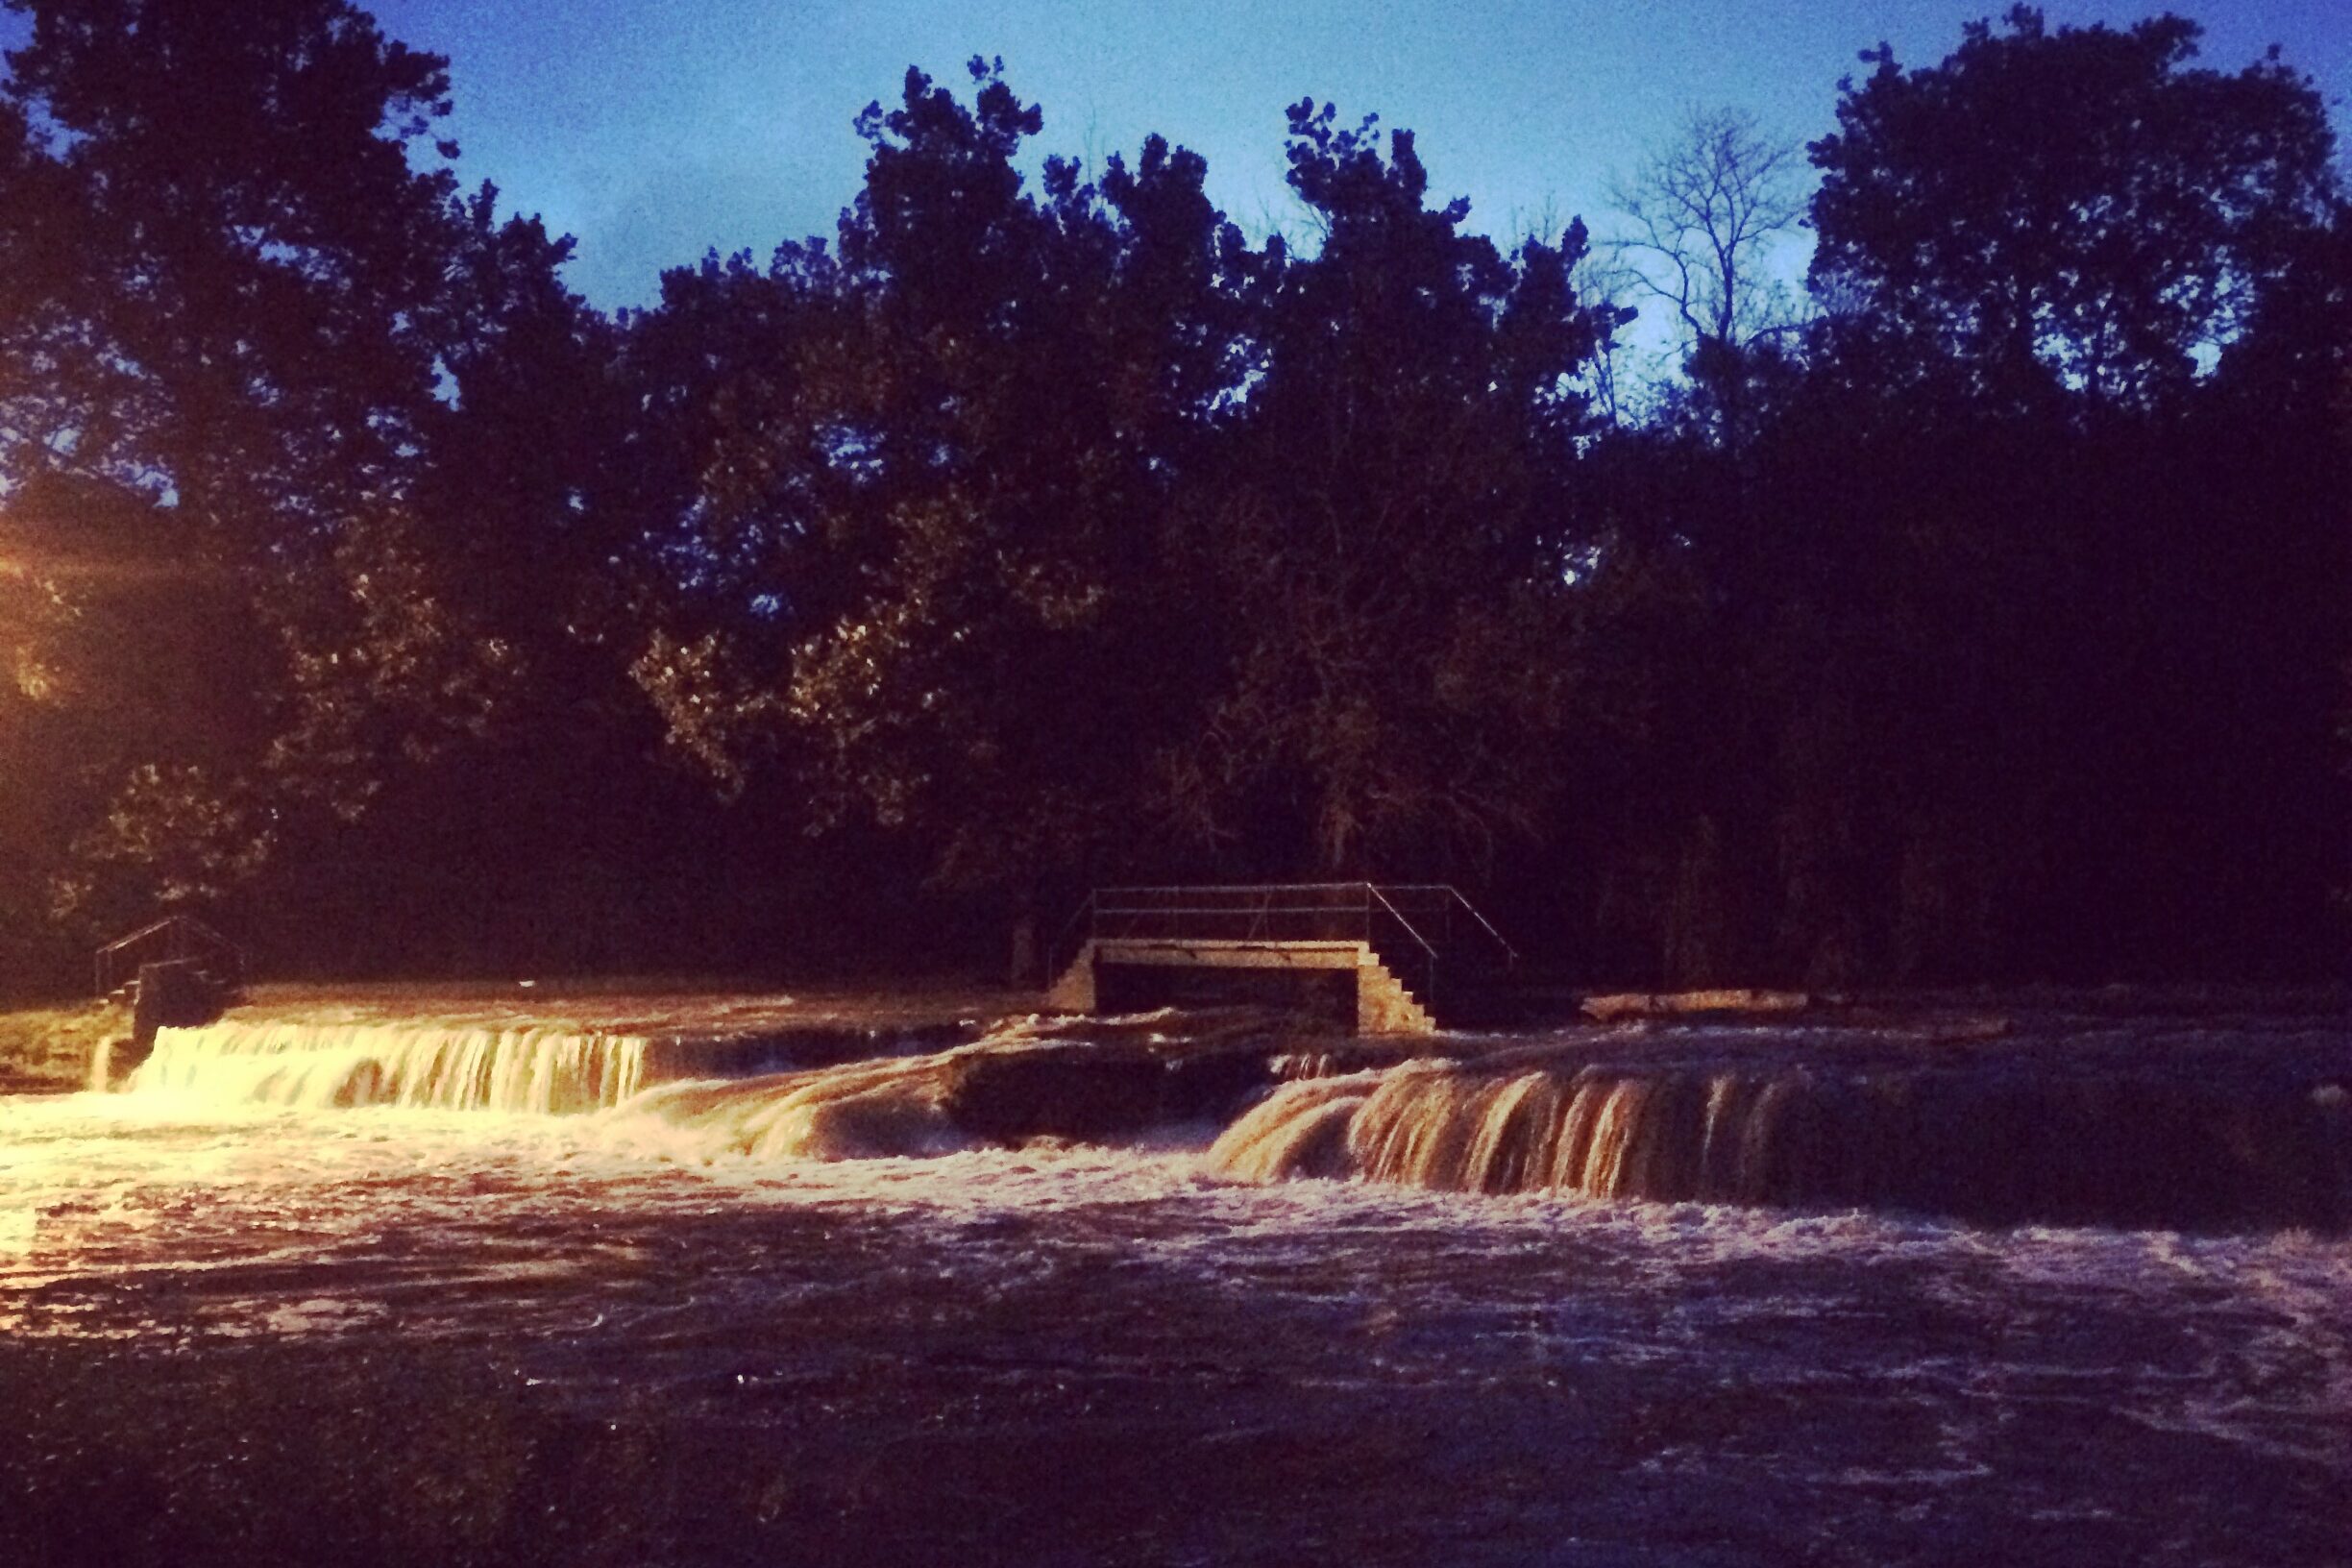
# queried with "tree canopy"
point(2081, 207)
point(1987, 616)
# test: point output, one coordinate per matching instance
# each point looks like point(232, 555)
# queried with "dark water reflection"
point(388, 1337)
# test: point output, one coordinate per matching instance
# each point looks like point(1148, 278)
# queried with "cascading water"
point(817, 1095)
point(839, 1291)
point(2095, 1135)
point(1067, 1080)
point(1998, 1142)
point(545, 1070)
point(860, 1111)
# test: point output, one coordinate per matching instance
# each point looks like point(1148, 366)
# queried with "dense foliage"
point(1990, 618)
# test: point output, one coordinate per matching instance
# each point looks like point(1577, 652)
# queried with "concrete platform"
point(1377, 1002)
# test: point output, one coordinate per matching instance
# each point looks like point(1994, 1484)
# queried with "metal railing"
point(1411, 926)
point(171, 938)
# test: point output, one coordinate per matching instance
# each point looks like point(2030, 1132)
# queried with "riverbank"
point(47, 1050)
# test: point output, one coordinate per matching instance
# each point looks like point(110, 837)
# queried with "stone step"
point(1384, 1004)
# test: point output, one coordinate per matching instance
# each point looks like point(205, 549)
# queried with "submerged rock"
point(1093, 1092)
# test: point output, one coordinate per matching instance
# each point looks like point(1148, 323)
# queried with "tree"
point(1075, 534)
point(231, 313)
point(1386, 549)
point(930, 541)
point(1705, 216)
point(222, 247)
point(2049, 608)
point(2077, 210)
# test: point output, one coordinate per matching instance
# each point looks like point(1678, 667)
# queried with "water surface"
point(239, 1332)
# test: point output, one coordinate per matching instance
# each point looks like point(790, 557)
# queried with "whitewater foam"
point(1995, 1141)
point(539, 1070)
point(2089, 1132)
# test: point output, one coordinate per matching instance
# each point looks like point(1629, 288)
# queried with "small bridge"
point(1384, 958)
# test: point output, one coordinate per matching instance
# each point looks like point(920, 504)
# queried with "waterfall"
point(542, 1070)
point(1998, 1146)
point(860, 1111)
point(2102, 1132)
point(825, 1092)
point(1063, 1080)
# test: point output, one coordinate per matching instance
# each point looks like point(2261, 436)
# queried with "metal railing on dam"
point(1426, 933)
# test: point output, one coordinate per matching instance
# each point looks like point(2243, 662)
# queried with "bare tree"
point(1703, 217)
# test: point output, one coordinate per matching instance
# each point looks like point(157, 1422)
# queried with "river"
point(246, 1332)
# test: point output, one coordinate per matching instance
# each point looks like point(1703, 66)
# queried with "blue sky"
point(653, 132)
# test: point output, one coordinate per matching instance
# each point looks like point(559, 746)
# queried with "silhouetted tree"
point(238, 313)
point(217, 253)
point(942, 496)
point(1036, 526)
point(2076, 208)
point(1387, 546)
point(2049, 608)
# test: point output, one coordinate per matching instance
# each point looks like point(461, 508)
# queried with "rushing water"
point(363, 1325)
